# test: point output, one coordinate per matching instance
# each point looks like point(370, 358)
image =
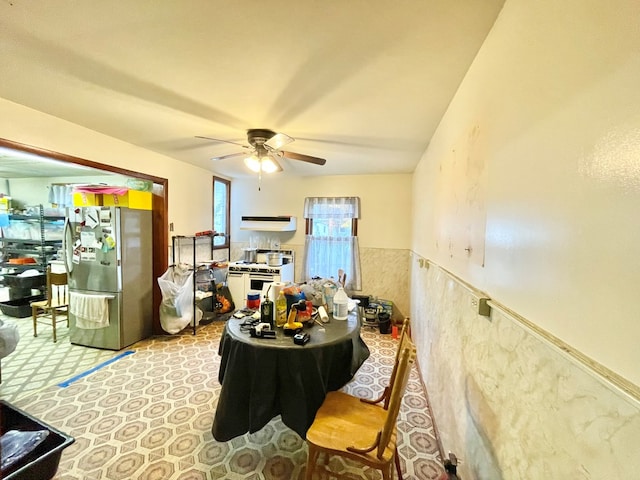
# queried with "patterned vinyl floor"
point(148, 416)
point(38, 362)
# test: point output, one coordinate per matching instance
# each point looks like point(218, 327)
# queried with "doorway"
point(160, 223)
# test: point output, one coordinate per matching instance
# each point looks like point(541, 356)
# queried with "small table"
point(262, 378)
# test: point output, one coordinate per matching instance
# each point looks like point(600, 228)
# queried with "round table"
point(262, 378)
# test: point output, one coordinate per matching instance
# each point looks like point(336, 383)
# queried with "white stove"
point(244, 277)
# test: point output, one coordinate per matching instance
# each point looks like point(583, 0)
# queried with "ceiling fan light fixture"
point(267, 165)
point(252, 164)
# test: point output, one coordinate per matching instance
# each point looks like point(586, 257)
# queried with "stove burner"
point(242, 266)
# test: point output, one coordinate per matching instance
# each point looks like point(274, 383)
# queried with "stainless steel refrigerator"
point(108, 254)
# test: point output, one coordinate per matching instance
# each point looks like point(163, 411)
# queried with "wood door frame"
point(160, 207)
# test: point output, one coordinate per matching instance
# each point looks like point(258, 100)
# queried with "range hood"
point(281, 223)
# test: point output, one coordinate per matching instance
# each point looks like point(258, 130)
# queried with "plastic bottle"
point(281, 310)
point(329, 292)
point(340, 305)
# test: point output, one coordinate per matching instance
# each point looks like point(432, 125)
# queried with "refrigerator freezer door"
point(109, 337)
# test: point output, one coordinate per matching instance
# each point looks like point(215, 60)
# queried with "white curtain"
point(61, 195)
point(332, 245)
point(332, 207)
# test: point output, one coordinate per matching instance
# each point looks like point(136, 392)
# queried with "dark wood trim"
point(160, 209)
point(227, 227)
point(160, 236)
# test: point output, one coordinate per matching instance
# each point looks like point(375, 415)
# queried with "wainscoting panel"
point(509, 403)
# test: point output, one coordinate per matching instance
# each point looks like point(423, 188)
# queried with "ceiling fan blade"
point(304, 158)
point(229, 156)
point(223, 141)
point(278, 141)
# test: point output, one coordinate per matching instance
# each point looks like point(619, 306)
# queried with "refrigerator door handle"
point(67, 245)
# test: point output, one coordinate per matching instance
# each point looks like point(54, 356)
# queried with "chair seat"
point(45, 304)
point(345, 421)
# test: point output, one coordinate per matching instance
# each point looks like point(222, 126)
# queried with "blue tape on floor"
point(66, 383)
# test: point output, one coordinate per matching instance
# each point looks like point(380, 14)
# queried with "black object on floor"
point(42, 462)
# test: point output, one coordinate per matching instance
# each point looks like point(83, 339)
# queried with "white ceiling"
point(16, 164)
point(362, 83)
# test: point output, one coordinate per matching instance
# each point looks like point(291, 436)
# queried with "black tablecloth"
point(263, 378)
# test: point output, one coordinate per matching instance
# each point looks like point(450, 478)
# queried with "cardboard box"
point(5, 204)
point(132, 199)
point(82, 199)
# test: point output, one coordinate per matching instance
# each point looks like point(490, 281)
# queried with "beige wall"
point(554, 124)
point(385, 203)
point(540, 146)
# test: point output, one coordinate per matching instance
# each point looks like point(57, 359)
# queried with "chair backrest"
point(404, 336)
point(407, 359)
point(56, 287)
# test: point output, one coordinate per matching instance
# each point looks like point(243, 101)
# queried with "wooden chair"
point(349, 403)
point(360, 430)
point(46, 311)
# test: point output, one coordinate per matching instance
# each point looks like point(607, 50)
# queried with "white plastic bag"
point(176, 309)
point(15, 445)
point(9, 337)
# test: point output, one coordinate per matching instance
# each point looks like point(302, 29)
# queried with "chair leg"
point(311, 462)
point(397, 462)
point(34, 314)
point(387, 472)
point(388, 468)
point(53, 321)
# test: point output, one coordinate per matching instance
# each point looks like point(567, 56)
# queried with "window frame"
point(227, 235)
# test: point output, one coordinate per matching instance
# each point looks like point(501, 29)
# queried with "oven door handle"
point(261, 276)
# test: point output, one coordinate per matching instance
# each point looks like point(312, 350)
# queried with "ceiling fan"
point(265, 147)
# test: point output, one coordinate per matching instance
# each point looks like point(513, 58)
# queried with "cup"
point(253, 300)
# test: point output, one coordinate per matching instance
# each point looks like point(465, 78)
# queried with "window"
point(331, 241)
point(221, 212)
